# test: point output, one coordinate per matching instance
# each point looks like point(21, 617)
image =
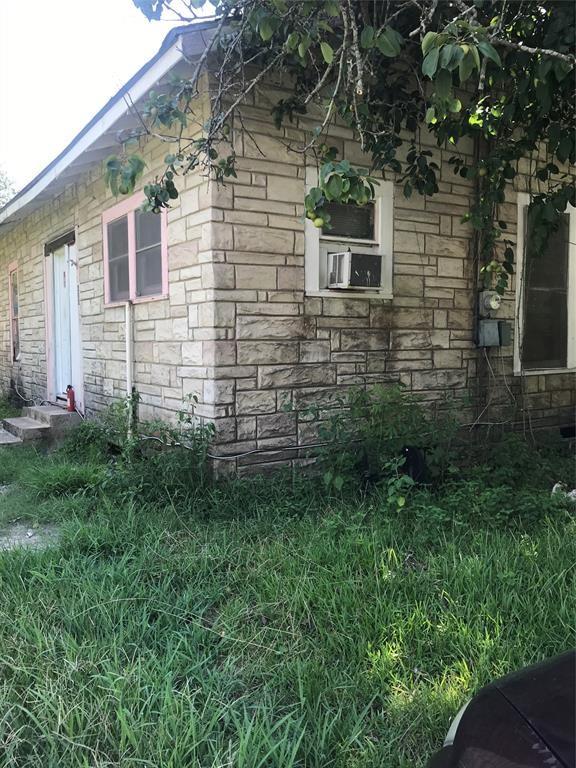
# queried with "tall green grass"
point(326, 640)
point(7, 407)
point(263, 624)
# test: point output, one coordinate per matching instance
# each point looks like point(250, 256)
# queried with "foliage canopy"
point(500, 73)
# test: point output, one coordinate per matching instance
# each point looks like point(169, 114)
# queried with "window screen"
point(118, 274)
point(351, 221)
point(148, 254)
point(14, 315)
point(545, 337)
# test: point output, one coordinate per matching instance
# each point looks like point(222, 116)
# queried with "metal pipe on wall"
point(129, 365)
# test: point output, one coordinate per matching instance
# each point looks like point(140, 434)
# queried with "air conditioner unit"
point(355, 271)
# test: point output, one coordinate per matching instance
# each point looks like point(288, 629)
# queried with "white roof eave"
point(119, 106)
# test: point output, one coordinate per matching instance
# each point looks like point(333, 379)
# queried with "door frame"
point(67, 240)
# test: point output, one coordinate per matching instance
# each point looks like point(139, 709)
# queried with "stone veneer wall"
point(277, 346)
point(238, 330)
point(168, 334)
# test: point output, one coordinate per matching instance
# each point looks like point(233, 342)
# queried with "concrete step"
point(8, 439)
point(53, 415)
point(25, 428)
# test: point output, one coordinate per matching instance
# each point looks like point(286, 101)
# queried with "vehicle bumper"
point(443, 759)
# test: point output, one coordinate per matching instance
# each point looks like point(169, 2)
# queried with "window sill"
point(138, 300)
point(544, 371)
point(342, 293)
point(348, 241)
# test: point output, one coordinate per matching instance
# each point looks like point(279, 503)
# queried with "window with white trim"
point(135, 253)
point(363, 236)
point(14, 313)
point(546, 297)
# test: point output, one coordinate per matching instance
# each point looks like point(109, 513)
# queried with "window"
point(135, 253)
point(14, 312)
point(355, 222)
point(354, 257)
point(546, 312)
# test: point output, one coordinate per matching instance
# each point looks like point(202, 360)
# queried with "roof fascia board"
point(138, 89)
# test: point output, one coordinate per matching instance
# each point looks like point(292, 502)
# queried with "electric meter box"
point(488, 333)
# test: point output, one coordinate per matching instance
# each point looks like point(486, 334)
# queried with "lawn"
point(264, 624)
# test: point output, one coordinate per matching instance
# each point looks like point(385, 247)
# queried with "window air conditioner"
point(354, 271)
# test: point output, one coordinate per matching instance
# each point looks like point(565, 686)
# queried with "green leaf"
point(554, 135)
point(303, 47)
point(561, 69)
point(490, 52)
point(388, 44)
point(564, 148)
point(292, 41)
point(327, 52)
point(430, 114)
point(466, 67)
point(476, 56)
point(443, 83)
point(266, 29)
point(450, 56)
point(455, 105)
point(334, 187)
point(332, 8)
point(367, 37)
point(428, 41)
point(544, 66)
point(544, 96)
point(430, 63)
point(396, 37)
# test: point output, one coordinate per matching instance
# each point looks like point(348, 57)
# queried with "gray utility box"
point(494, 333)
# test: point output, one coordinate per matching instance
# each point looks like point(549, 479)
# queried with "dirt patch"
point(16, 535)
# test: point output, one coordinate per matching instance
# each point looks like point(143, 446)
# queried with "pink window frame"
point(128, 208)
point(13, 267)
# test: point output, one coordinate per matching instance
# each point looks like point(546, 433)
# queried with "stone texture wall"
point(168, 334)
point(278, 346)
point(238, 330)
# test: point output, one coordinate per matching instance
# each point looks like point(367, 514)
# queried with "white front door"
point(62, 328)
point(67, 361)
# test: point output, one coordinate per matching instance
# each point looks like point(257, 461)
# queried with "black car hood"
point(544, 696)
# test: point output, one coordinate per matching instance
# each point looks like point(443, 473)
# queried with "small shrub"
point(154, 461)
point(366, 434)
point(519, 462)
point(89, 441)
point(471, 502)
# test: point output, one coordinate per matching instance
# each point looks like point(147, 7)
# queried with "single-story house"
point(232, 296)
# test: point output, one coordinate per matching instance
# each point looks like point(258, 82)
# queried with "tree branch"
point(567, 57)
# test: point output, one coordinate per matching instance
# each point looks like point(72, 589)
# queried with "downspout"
point(129, 367)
